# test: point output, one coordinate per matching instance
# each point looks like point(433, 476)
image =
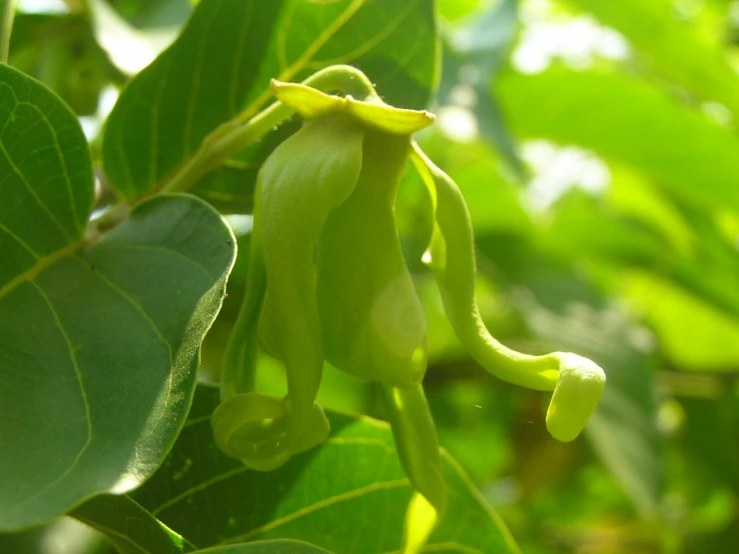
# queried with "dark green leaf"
point(221, 66)
point(268, 547)
point(98, 338)
point(129, 527)
point(326, 496)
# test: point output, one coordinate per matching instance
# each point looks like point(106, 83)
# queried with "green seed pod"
point(300, 186)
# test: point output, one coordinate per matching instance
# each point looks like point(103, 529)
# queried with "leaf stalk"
point(234, 135)
point(7, 14)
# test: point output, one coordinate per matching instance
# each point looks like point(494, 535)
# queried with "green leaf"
point(691, 302)
point(98, 338)
point(66, 534)
point(694, 334)
point(626, 120)
point(221, 65)
point(134, 530)
point(671, 47)
point(130, 528)
point(268, 547)
point(348, 495)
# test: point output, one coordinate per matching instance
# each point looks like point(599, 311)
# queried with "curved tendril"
point(578, 382)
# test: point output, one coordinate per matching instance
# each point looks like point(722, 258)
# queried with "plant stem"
point(234, 135)
point(7, 13)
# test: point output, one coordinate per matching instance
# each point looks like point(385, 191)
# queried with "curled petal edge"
point(373, 113)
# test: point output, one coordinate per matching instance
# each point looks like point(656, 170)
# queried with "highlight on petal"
point(396, 121)
point(579, 387)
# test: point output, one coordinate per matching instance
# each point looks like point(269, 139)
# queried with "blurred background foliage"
point(596, 144)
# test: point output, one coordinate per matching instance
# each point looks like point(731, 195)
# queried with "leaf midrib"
point(41, 264)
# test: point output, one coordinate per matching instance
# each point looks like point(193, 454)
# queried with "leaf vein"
point(234, 80)
point(21, 242)
point(190, 107)
point(83, 391)
point(42, 264)
point(154, 248)
point(197, 488)
point(368, 45)
point(135, 304)
point(325, 503)
point(35, 195)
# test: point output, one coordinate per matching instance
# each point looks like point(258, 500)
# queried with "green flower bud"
point(327, 281)
point(580, 384)
point(327, 274)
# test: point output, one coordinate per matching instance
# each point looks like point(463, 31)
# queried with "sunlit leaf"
point(630, 122)
point(325, 496)
point(671, 46)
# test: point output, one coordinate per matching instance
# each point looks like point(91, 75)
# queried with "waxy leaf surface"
point(99, 339)
point(220, 68)
point(348, 495)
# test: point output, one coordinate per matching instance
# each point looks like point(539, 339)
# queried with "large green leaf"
point(671, 47)
point(98, 338)
point(628, 121)
point(130, 528)
point(268, 547)
point(348, 495)
point(134, 530)
point(221, 66)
